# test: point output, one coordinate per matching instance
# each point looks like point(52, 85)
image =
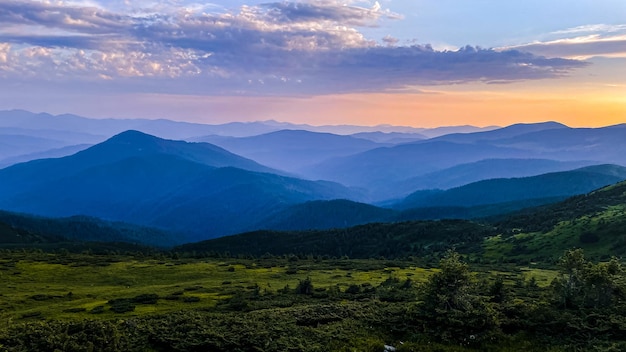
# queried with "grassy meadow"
point(72, 286)
point(175, 302)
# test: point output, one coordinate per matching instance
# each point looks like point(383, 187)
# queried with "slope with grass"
point(390, 240)
point(595, 222)
point(317, 215)
point(21, 230)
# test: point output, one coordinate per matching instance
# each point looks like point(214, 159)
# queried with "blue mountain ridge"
point(195, 188)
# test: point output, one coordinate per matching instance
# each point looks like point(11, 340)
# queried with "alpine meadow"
point(312, 175)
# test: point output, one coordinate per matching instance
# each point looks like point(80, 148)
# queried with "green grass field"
point(69, 302)
point(40, 289)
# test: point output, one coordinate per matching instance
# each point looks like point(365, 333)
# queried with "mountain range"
point(594, 221)
point(384, 168)
point(293, 150)
point(199, 190)
point(25, 135)
point(205, 183)
point(194, 188)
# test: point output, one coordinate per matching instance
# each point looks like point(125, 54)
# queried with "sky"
point(422, 63)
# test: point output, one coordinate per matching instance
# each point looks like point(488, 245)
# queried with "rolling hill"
point(34, 231)
point(325, 215)
point(387, 165)
point(477, 200)
point(15, 144)
point(595, 222)
point(385, 170)
point(511, 131)
point(551, 185)
point(193, 188)
point(291, 150)
point(463, 174)
point(390, 137)
point(389, 240)
point(126, 145)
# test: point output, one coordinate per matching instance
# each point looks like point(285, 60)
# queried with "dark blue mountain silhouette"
point(196, 188)
point(325, 215)
point(463, 174)
point(504, 190)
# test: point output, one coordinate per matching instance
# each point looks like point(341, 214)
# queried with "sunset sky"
point(422, 63)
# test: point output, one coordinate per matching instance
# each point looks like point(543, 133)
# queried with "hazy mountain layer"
point(463, 174)
point(392, 170)
point(557, 184)
point(594, 221)
point(291, 150)
point(194, 188)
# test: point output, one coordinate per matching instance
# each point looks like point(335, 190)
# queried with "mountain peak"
point(541, 125)
point(132, 136)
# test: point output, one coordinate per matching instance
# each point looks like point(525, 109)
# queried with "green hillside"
point(595, 222)
point(389, 240)
point(20, 230)
point(319, 215)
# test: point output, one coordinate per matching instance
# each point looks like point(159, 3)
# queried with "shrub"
point(305, 287)
point(121, 305)
point(97, 310)
point(588, 237)
point(146, 298)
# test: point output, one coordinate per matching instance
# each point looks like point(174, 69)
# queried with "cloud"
point(579, 48)
point(582, 42)
point(391, 67)
point(86, 20)
point(329, 11)
point(593, 28)
point(302, 47)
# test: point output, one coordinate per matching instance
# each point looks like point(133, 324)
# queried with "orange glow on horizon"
point(429, 109)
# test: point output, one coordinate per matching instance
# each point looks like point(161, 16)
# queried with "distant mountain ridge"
point(556, 184)
point(594, 221)
point(475, 200)
point(501, 133)
point(463, 174)
point(193, 188)
point(390, 168)
point(124, 145)
point(184, 130)
point(291, 150)
point(283, 177)
point(41, 132)
point(380, 166)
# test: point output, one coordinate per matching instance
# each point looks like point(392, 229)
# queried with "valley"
point(288, 239)
point(312, 176)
